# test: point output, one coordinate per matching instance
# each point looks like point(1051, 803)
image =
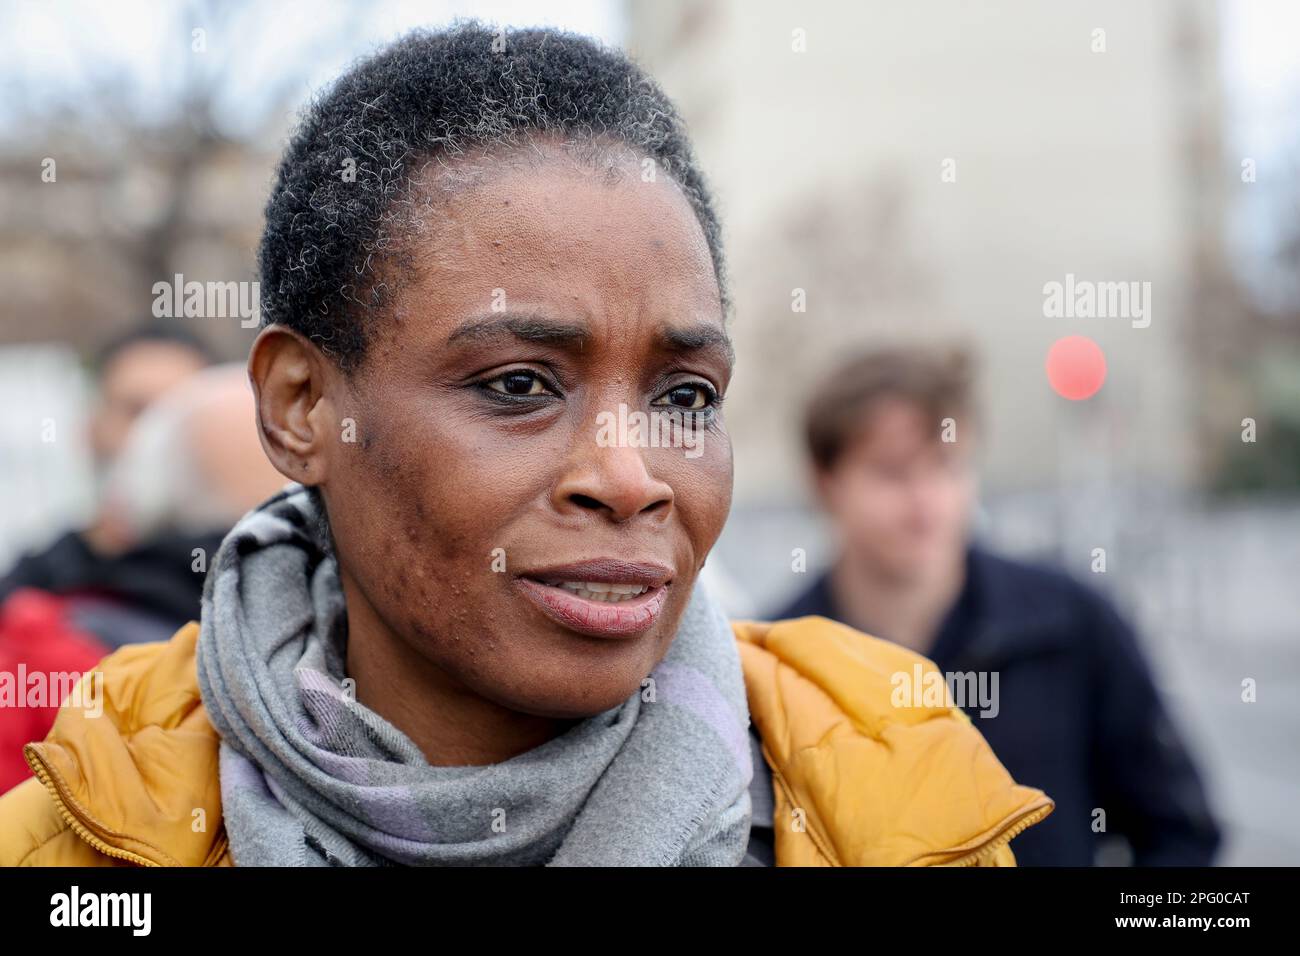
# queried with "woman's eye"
point(688, 397)
point(518, 384)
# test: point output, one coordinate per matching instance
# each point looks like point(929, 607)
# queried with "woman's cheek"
point(702, 488)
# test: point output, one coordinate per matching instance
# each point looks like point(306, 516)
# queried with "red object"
point(1076, 367)
point(37, 643)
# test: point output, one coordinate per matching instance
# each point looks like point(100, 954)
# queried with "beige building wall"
point(829, 164)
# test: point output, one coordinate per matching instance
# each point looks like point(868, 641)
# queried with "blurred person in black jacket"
point(1076, 711)
point(189, 466)
point(132, 371)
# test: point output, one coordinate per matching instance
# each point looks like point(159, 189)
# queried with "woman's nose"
point(616, 481)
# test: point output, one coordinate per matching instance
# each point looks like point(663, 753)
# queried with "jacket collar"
point(996, 616)
point(1001, 614)
point(872, 781)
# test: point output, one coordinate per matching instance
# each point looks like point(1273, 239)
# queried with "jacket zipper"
point(78, 827)
point(996, 843)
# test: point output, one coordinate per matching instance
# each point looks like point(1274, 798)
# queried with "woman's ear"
point(292, 382)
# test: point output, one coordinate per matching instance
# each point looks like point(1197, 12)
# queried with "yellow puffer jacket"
point(858, 782)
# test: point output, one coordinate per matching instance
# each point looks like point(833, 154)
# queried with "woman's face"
point(500, 511)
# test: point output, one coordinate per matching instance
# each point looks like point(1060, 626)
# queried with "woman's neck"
point(907, 612)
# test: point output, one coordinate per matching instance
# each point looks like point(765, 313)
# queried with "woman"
point(470, 633)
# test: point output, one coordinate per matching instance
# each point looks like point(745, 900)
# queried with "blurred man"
point(1075, 711)
point(132, 372)
point(191, 465)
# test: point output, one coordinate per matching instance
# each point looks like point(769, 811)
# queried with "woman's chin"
point(582, 689)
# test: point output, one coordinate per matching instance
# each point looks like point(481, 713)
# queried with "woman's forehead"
point(557, 230)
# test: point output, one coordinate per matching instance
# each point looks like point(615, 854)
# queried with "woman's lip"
point(596, 618)
point(605, 571)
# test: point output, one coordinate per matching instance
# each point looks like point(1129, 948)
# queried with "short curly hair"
point(434, 95)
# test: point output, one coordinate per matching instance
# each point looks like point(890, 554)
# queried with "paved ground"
point(1250, 752)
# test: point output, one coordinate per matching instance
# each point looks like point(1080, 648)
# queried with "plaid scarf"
point(312, 777)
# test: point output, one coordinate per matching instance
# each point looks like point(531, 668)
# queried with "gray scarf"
point(309, 776)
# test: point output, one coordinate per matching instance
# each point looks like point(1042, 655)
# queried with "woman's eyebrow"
point(540, 330)
point(695, 338)
point(527, 328)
